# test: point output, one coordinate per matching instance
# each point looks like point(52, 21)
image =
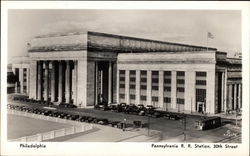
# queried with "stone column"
point(118, 86)
point(230, 96)
point(60, 82)
point(110, 83)
point(33, 80)
point(67, 82)
point(239, 96)
point(52, 64)
point(21, 79)
point(137, 87)
point(46, 81)
point(96, 82)
point(39, 80)
point(127, 98)
point(27, 81)
point(149, 87)
point(161, 89)
point(225, 92)
point(235, 96)
point(75, 79)
point(222, 91)
point(173, 90)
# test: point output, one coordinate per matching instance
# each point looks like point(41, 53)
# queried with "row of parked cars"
point(42, 102)
point(68, 116)
point(138, 110)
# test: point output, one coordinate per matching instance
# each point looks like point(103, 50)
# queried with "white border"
point(122, 148)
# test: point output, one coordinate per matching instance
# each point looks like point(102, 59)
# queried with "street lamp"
point(191, 104)
point(184, 126)
point(148, 123)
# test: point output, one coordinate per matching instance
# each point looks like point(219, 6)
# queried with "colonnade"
point(56, 81)
point(234, 96)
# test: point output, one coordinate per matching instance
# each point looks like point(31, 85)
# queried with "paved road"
point(169, 130)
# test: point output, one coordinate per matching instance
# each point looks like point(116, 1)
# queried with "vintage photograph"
point(103, 75)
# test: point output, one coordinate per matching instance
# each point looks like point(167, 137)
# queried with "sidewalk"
point(222, 115)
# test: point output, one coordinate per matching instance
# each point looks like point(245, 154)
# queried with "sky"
point(180, 26)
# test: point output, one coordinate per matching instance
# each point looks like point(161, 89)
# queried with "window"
point(180, 89)
point(143, 98)
point(143, 72)
point(180, 73)
point(200, 82)
point(122, 78)
point(143, 79)
point(167, 73)
point(122, 96)
point(167, 81)
point(143, 87)
point(132, 79)
point(122, 85)
point(132, 72)
point(132, 86)
point(200, 95)
point(155, 80)
point(154, 98)
point(201, 74)
point(167, 100)
point(155, 73)
point(154, 87)
point(122, 71)
point(181, 81)
point(180, 101)
point(168, 89)
point(132, 96)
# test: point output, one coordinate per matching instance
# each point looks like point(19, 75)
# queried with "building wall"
point(82, 83)
point(90, 83)
point(32, 82)
point(164, 62)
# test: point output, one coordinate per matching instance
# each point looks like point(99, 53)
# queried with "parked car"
point(121, 107)
point(67, 105)
point(155, 114)
point(90, 119)
point(131, 109)
point(102, 121)
point(114, 123)
point(113, 106)
point(150, 110)
point(62, 115)
point(74, 117)
point(82, 118)
point(175, 117)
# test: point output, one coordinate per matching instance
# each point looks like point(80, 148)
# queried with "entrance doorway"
point(200, 100)
point(102, 85)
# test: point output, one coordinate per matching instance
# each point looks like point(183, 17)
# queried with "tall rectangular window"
point(180, 90)
point(143, 87)
point(132, 83)
point(200, 91)
point(155, 88)
point(167, 89)
point(122, 85)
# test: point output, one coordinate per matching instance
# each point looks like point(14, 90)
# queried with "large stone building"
point(86, 68)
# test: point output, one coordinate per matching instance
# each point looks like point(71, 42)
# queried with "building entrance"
point(104, 82)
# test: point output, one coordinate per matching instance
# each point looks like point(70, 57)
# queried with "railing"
point(76, 128)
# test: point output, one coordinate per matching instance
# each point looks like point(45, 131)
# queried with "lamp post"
point(191, 104)
point(184, 126)
point(148, 123)
point(205, 106)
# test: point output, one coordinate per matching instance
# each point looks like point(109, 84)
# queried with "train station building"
point(88, 68)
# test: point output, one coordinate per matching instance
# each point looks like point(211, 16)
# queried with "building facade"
point(88, 68)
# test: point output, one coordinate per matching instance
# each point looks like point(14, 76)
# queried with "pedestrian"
point(124, 124)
